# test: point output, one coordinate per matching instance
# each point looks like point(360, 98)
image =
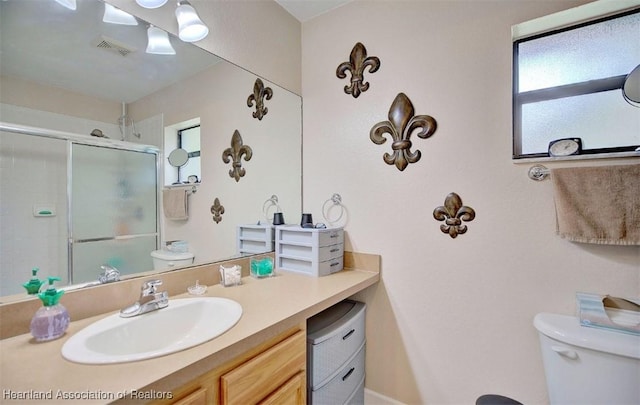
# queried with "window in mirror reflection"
point(186, 136)
point(567, 83)
point(189, 140)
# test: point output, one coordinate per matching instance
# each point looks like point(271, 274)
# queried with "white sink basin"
point(184, 323)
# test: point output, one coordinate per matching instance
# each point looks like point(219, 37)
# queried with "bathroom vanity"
point(263, 355)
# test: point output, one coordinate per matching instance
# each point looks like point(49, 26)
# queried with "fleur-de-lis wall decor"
point(217, 210)
point(235, 153)
point(260, 93)
point(358, 62)
point(402, 123)
point(453, 213)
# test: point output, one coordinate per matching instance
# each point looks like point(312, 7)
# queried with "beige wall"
point(23, 93)
point(452, 318)
point(218, 97)
point(258, 35)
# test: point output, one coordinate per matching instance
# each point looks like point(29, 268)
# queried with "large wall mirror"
point(71, 72)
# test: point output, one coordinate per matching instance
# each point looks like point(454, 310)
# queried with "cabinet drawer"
point(255, 232)
point(199, 397)
point(310, 267)
point(357, 397)
point(263, 374)
point(253, 246)
point(334, 336)
point(343, 385)
point(324, 253)
point(255, 238)
point(293, 392)
point(309, 236)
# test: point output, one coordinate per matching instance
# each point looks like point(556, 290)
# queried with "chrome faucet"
point(109, 274)
point(150, 300)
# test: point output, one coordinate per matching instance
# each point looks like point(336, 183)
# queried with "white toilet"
point(165, 259)
point(586, 365)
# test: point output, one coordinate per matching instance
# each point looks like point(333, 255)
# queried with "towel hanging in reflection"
point(175, 203)
point(598, 204)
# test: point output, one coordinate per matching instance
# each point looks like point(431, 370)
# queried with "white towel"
point(175, 203)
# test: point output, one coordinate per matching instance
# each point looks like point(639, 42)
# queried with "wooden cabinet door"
point(265, 373)
point(291, 393)
point(198, 397)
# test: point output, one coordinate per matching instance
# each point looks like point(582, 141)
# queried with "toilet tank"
point(165, 259)
point(585, 365)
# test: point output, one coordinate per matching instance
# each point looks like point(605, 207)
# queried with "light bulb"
point(70, 4)
point(190, 26)
point(159, 43)
point(116, 16)
point(151, 3)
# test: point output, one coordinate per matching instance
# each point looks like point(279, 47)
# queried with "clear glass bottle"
point(52, 319)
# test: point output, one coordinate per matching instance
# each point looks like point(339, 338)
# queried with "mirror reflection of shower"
point(127, 125)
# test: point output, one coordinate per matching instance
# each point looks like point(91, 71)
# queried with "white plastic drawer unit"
point(343, 387)
point(335, 340)
point(255, 238)
point(316, 252)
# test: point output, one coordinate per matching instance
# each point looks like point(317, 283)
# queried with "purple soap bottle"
point(52, 319)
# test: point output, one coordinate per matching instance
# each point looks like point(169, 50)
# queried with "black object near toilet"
point(492, 399)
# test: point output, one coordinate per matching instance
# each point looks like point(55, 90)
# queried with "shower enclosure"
point(87, 202)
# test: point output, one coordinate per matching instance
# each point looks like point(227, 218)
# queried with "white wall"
point(218, 97)
point(452, 318)
point(33, 174)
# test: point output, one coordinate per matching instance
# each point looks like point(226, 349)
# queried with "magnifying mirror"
point(631, 87)
point(178, 157)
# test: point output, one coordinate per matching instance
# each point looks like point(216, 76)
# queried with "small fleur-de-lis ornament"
point(453, 213)
point(358, 62)
point(235, 152)
point(260, 93)
point(217, 210)
point(400, 126)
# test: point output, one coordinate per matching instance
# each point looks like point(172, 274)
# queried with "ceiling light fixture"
point(114, 15)
point(151, 3)
point(159, 43)
point(190, 26)
point(70, 4)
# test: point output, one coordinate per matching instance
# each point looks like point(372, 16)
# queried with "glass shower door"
point(113, 210)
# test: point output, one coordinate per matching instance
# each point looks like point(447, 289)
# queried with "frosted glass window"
point(544, 121)
point(567, 83)
point(577, 55)
point(189, 140)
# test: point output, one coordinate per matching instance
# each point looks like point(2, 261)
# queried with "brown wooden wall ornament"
point(358, 62)
point(401, 124)
point(217, 210)
point(453, 213)
point(235, 153)
point(260, 93)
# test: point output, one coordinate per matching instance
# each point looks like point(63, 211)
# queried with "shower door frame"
point(70, 139)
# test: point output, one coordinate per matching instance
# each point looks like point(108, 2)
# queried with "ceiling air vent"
point(110, 44)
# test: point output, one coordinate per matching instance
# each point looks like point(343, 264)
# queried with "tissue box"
point(605, 311)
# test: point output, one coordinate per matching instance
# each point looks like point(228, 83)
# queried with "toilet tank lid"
point(168, 255)
point(567, 329)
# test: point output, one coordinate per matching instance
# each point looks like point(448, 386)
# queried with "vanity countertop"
point(29, 370)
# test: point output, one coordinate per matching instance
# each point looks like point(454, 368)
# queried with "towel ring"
point(336, 200)
point(271, 202)
point(538, 172)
